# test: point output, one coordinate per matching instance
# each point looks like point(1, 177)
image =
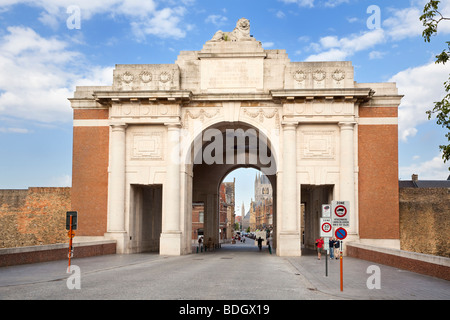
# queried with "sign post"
point(71, 225)
point(326, 231)
point(341, 260)
point(341, 234)
point(341, 218)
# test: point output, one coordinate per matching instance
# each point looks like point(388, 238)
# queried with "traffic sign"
point(326, 211)
point(326, 229)
point(340, 213)
point(74, 215)
point(340, 233)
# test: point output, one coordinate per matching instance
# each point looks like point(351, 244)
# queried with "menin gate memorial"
point(165, 135)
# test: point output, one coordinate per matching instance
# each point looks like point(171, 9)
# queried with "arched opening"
point(221, 149)
point(251, 194)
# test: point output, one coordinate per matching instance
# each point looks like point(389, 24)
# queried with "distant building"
point(261, 210)
point(226, 213)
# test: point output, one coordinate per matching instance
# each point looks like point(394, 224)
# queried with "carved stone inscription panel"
point(318, 144)
point(239, 74)
point(147, 146)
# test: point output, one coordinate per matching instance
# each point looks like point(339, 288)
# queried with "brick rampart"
point(434, 266)
point(35, 254)
point(35, 216)
point(425, 220)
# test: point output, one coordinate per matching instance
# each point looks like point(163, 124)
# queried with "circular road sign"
point(326, 227)
point(340, 233)
point(340, 211)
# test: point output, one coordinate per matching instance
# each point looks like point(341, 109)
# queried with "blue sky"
point(43, 57)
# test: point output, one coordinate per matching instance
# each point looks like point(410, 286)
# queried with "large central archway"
point(218, 150)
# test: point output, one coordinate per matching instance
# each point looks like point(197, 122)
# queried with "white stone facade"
point(308, 111)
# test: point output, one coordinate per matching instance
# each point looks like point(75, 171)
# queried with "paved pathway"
point(234, 272)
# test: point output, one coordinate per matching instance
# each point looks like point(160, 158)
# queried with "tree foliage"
point(431, 18)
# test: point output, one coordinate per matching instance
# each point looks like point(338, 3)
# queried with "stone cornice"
point(356, 94)
point(107, 97)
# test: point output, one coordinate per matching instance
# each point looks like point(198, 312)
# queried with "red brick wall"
point(56, 253)
point(90, 174)
point(401, 262)
point(378, 177)
point(36, 216)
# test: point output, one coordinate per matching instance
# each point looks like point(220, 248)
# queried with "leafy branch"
point(430, 18)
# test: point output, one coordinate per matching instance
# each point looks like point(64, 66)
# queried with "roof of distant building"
point(416, 183)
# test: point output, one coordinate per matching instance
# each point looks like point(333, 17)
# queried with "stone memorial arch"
point(165, 135)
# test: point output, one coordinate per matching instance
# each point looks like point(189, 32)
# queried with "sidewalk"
point(395, 284)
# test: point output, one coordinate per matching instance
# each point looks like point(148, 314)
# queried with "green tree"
point(431, 18)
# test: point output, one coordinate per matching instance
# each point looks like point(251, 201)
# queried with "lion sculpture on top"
point(240, 33)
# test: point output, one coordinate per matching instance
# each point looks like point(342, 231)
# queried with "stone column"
point(171, 233)
point(347, 171)
point(116, 214)
point(289, 239)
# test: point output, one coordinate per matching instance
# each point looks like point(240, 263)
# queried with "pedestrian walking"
point(200, 244)
point(269, 242)
point(260, 240)
point(336, 249)
point(319, 245)
point(331, 245)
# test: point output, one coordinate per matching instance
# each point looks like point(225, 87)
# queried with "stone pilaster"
point(289, 240)
point(347, 171)
point(116, 208)
point(171, 232)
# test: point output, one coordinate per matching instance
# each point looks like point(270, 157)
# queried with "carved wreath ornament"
point(319, 75)
point(299, 75)
point(127, 77)
point(165, 77)
point(338, 75)
point(145, 76)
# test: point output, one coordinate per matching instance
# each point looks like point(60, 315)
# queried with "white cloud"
point(300, 3)
point(335, 49)
point(404, 23)
point(216, 19)
point(421, 86)
point(38, 74)
point(376, 55)
point(163, 24)
point(434, 169)
point(280, 14)
point(400, 24)
point(145, 16)
point(335, 3)
point(267, 44)
point(13, 130)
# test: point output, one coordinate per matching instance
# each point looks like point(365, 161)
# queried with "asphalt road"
point(238, 272)
point(233, 272)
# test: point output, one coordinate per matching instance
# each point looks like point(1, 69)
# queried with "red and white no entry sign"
point(340, 211)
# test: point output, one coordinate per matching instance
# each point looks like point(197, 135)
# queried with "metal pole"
point(341, 262)
point(70, 242)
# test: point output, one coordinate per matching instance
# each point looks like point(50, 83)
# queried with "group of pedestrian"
point(334, 246)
